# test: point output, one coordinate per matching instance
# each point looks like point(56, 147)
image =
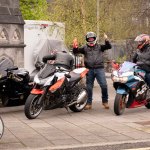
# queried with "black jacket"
point(142, 58)
point(93, 56)
point(62, 59)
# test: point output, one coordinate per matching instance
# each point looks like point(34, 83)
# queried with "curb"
point(91, 145)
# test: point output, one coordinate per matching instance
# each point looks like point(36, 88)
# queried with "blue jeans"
point(99, 74)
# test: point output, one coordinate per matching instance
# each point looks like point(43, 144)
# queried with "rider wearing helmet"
point(93, 60)
point(142, 56)
point(91, 39)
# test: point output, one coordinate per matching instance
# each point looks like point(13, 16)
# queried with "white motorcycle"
point(56, 87)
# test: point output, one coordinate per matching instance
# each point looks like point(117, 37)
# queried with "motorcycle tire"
point(32, 109)
point(78, 107)
point(5, 101)
point(147, 105)
point(119, 104)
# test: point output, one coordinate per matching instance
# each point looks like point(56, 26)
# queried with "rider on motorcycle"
point(142, 55)
point(62, 59)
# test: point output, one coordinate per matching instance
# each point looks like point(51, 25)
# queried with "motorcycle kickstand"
point(67, 110)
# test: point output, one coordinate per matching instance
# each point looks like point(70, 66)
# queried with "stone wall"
point(11, 32)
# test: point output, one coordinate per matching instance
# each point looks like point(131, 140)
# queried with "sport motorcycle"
point(131, 88)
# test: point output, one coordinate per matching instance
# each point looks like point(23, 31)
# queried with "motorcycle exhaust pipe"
point(82, 97)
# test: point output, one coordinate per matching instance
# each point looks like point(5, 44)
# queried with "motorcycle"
point(14, 83)
point(56, 87)
point(131, 89)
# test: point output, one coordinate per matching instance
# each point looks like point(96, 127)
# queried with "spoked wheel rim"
point(35, 108)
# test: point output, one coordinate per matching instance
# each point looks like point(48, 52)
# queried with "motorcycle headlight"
point(120, 79)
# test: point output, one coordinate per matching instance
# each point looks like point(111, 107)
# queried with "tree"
point(77, 16)
point(119, 19)
point(34, 9)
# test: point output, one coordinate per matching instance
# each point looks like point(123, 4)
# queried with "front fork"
point(42, 98)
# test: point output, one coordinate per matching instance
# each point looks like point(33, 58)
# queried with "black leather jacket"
point(142, 58)
point(62, 59)
point(93, 56)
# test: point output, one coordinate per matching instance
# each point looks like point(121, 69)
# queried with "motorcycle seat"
point(74, 76)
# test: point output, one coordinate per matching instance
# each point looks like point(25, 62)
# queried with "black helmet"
point(91, 38)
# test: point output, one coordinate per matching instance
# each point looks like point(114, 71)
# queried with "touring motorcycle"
point(131, 89)
point(14, 82)
point(56, 87)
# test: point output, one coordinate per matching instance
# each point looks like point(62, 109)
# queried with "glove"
point(75, 43)
point(105, 36)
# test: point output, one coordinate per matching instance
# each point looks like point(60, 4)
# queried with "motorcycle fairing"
point(81, 71)
point(121, 90)
point(57, 85)
point(37, 91)
point(83, 74)
point(135, 104)
point(74, 76)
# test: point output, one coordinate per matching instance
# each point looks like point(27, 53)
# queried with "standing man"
point(93, 60)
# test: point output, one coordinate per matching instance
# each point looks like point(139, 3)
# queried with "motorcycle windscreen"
point(4, 64)
point(48, 70)
point(126, 67)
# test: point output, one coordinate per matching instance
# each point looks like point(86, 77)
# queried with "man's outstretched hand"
point(75, 43)
point(105, 36)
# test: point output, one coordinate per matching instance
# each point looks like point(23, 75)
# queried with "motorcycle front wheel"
point(5, 101)
point(32, 109)
point(120, 104)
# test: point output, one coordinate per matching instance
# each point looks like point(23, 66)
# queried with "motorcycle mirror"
point(67, 75)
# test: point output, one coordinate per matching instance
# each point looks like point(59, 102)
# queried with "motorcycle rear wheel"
point(78, 107)
point(119, 104)
point(32, 109)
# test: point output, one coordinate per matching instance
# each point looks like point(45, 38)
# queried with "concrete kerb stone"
point(65, 147)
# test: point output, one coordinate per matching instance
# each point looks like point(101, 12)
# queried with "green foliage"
point(118, 19)
point(80, 16)
point(34, 9)
point(121, 59)
point(77, 16)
